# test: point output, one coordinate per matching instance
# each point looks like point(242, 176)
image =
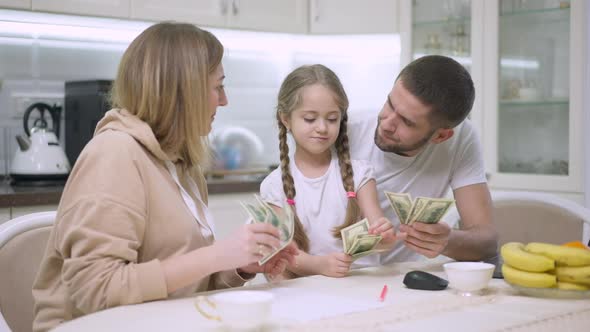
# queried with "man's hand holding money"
point(429, 240)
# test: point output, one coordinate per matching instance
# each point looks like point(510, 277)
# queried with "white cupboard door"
point(16, 4)
point(353, 16)
point(4, 215)
point(201, 13)
point(109, 8)
point(228, 213)
point(533, 103)
point(269, 15)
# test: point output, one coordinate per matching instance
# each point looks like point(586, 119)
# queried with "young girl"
point(328, 190)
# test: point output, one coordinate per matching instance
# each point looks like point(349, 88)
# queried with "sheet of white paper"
point(306, 305)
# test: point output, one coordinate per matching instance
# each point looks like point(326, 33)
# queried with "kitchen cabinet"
point(291, 16)
point(528, 79)
point(108, 8)
point(228, 212)
point(204, 12)
point(270, 15)
point(16, 4)
point(534, 95)
point(4, 215)
point(264, 15)
point(353, 16)
point(452, 28)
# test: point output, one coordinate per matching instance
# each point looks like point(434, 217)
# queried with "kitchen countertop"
point(11, 196)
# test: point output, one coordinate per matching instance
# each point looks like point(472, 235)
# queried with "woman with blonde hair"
point(328, 190)
point(132, 224)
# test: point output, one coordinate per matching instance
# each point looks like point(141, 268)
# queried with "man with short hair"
point(421, 144)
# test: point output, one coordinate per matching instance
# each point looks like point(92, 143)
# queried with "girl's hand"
point(247, 245)
point(384, 227)
point(276, 265)
point(335, 264)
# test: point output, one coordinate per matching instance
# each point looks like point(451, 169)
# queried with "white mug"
point(239, 309)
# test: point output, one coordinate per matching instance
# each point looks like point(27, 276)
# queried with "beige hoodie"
point(120, 214)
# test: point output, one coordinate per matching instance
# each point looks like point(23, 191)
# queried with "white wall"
point(255, 64)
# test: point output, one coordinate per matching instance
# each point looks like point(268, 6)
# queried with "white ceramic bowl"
point(469, 277)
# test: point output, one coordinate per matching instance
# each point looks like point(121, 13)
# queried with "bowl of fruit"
point(547, 270)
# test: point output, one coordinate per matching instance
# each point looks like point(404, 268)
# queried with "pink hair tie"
point(290, 201)
point(350, 194)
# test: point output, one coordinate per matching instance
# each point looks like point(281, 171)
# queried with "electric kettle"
point(39, 157)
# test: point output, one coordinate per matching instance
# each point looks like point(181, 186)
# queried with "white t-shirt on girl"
point(320, 204)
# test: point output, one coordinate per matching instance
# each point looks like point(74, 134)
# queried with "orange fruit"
point(576, 244)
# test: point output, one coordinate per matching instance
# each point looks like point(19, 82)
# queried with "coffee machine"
point(86, 102)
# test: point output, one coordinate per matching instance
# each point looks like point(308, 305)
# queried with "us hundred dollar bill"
point(357, 241)
point(262, 212)
point(423, 209)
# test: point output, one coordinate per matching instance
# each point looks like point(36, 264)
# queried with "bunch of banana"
point(545, 265)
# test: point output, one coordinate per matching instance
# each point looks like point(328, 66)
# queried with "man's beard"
point(401, 149)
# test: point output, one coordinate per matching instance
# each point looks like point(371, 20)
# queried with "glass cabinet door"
point(533, 87)
point(442, 27)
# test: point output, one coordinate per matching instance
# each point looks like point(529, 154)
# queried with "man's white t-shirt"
point(320, 203)
point(454, 163)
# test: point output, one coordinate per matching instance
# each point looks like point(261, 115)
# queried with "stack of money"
point(262, 212)
point(357, 241)
point(422, 209)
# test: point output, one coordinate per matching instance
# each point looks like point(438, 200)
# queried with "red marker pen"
point(383, 293)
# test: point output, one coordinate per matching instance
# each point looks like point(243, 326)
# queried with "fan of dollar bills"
point(423, 209)
point(262, 212)
point(357, 241)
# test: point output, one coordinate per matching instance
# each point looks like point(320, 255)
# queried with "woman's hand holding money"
point(276, 265)
point(246, 245)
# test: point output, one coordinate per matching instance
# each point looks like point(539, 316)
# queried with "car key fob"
point(424, 280)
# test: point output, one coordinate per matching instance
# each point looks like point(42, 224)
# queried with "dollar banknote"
point(402, 204)
point(433, 210)
point(363, 245)
point(417, 207)
point(255, 213)
point(357, 241)
point(423, 209)
point(262, 212)
point(351, 232)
